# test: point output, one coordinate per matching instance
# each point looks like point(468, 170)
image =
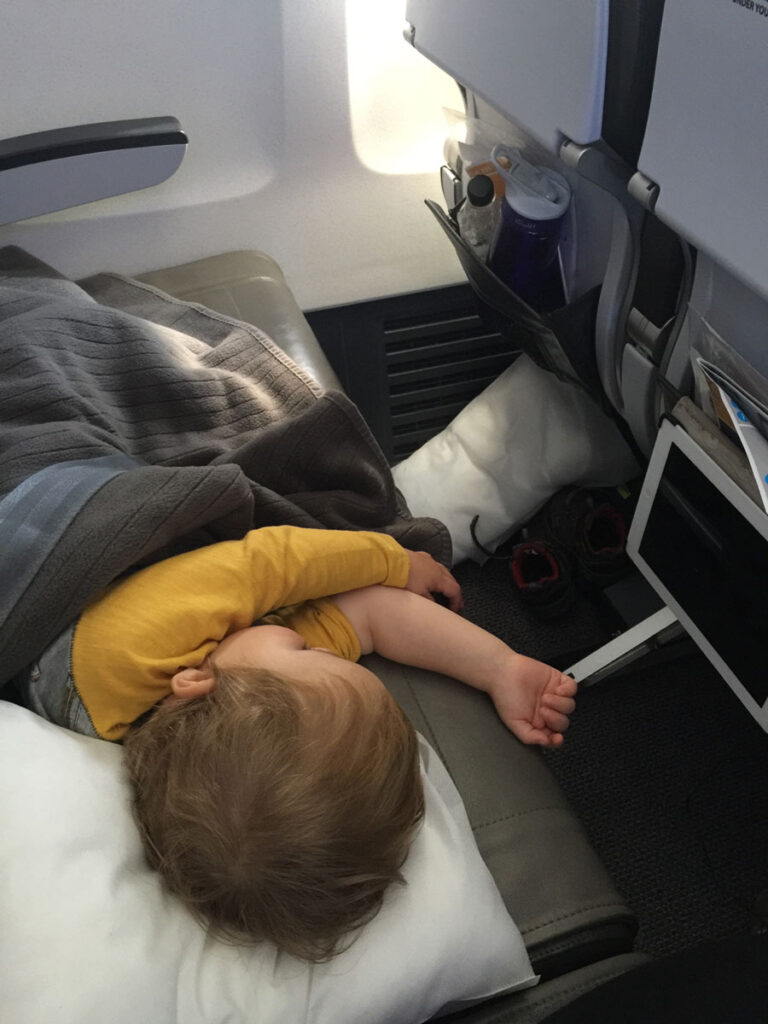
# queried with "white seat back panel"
point(541, 63)
point(706, 142)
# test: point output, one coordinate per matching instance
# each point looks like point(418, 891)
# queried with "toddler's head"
point(278, 808)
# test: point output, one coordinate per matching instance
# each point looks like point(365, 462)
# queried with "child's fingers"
point(427, 576)
point(559, 702)
point(567, 686)
point(451, 590)
point(539, 737)
point(555, 720)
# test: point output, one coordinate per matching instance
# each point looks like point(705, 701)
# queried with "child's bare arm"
point(534, 700)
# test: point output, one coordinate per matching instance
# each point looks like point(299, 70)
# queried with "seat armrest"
point(248, 285)
point(553, 883)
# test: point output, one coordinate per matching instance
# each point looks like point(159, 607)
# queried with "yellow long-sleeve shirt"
point(129, 643)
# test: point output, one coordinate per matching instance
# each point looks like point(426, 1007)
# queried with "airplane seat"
point(633, 38)
point(578, 82)
point(577, 929)
point(677, 157)
point(682, 274)
point(250, 286)
point(704, 140)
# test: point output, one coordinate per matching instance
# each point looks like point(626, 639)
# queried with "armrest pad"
point(64, 167)
point(249, 286)
point(552, 881)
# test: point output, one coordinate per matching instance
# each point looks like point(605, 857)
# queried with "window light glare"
point(396, 96)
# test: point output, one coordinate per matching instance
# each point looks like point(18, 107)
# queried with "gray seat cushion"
point(576, 926)
point(554, 885)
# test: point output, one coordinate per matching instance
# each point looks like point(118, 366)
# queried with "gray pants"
point(47, 687)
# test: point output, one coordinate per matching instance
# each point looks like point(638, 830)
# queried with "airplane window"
point(396, 96)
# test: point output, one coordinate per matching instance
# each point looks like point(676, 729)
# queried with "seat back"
point(701, 165)
point(577, 78)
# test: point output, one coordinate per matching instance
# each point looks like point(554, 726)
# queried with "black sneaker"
point(591, 528)
point(601, 548)
point(543, 578)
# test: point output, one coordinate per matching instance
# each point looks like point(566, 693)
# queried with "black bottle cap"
point(480, 190)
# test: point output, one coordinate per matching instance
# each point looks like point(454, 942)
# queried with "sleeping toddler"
point(277, 783)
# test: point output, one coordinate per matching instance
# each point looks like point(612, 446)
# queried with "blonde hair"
point(277, 809)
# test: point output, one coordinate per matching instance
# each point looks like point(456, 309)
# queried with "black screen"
point(715, 565)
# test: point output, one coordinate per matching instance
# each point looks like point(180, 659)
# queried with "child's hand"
point(534, 700)
point(427, 577)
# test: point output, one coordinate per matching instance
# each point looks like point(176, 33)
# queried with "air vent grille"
point(435, 364)
point(412, 362)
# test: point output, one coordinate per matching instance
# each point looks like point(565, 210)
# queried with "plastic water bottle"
point(477, 215)
point(524, 251)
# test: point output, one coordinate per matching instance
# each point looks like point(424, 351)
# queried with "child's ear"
point(192, 682)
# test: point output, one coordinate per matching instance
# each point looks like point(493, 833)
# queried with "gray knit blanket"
point(134, 426)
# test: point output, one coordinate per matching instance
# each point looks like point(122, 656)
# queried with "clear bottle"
point(477, 215)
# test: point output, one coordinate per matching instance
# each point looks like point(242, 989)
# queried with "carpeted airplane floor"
point(664, 766)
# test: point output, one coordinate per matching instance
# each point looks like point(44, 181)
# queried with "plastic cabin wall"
point(314, 132)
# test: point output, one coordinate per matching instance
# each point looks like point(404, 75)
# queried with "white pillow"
point(88, 934)
point(507, 452)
